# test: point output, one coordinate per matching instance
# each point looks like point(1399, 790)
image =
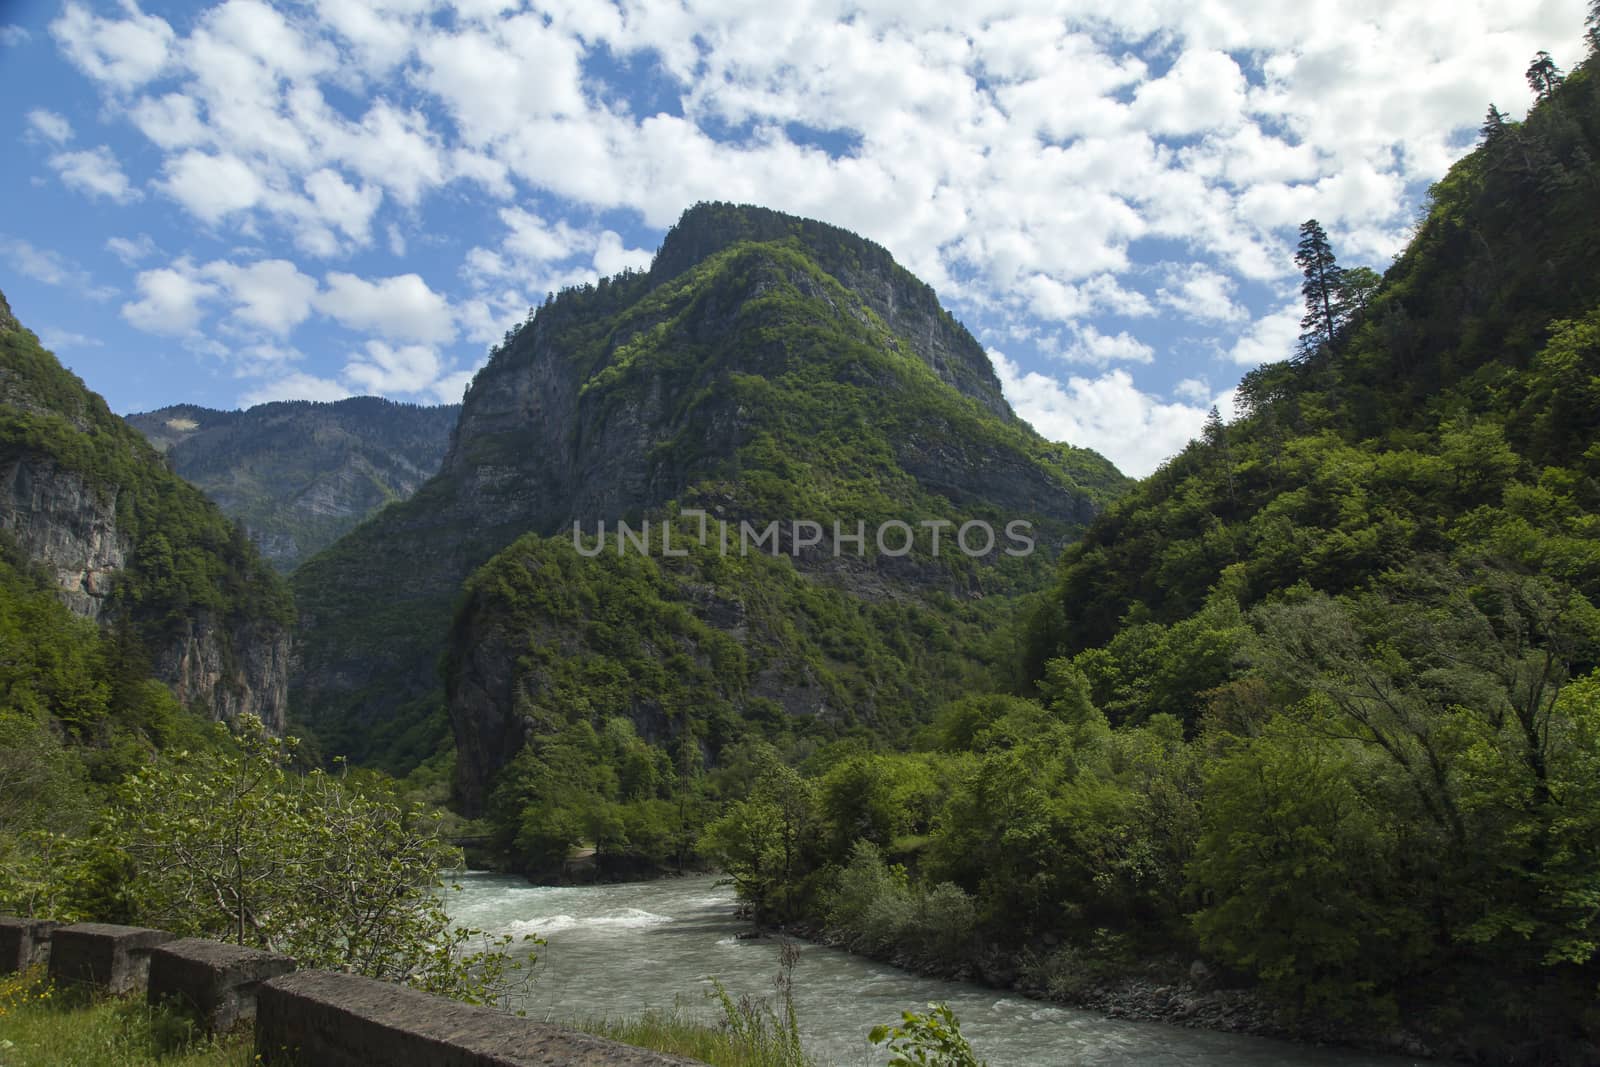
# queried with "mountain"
point(765, 368)
point(89, 507)
point(298, 475)
point(1465, 381)
point(1361, 626)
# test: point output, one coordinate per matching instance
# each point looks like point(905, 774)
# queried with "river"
point(620, 950)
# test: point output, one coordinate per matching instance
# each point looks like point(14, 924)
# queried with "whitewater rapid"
point(622, 950)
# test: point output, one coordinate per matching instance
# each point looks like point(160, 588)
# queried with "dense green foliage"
point(1317, 701)
point(78, 712)
point(298, 474)
point(632, 675)
point(749, 374)
point(931, 1039)
point(116, 803)
point(186, 556)
point(79, 708)
point(232, 843)
point(336, 873)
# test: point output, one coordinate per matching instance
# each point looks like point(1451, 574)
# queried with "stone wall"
point(344, 1020)
point(323, 1017)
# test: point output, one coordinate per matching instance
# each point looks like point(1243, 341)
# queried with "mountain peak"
point(713, 225)
point(908, 305)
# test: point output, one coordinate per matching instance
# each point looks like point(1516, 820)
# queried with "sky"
point(231, 203)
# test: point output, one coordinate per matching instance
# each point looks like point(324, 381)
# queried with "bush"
point(877, 912)
point(945, 923)
point(236, 847)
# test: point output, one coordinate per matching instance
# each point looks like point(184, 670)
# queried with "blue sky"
point(225, 203)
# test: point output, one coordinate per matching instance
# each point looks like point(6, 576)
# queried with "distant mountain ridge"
point(300, 474)
point(765, 368)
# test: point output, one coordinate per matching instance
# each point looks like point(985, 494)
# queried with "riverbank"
point(1168, 991)
point(626, 950)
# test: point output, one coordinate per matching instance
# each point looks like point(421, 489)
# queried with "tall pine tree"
point(1494, 124)
point(1322, 287)
point(1543, 76)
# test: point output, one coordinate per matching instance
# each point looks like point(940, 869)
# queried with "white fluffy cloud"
point(96, 173)
point(1055, 169)
point(1203, 91)
point(413, 371)
point(66, 340)
point(270, 294)
point(535, 257)
point(131, 250)
point(49, 267)
point(212, 186)
point(1109, 414)
point(271, 297)
point(171, 121)
point(124, 52)
point(383, 369)
point(399, 308)
point(1033, 151)
point(1201, 293)
point(170, 300)
point(1269, 339)
point(49, 125)
point(1098, 349)
point(295, 386)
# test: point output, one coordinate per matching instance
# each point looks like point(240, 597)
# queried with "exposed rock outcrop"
point(66, 527)
point(242, 669)
point(86, 501)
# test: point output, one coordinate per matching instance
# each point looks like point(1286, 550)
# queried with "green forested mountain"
point(131, 611)
point(298, 475)
point(89, 504)
point(766, 368)
point(1317, 702)
point(1463, 380)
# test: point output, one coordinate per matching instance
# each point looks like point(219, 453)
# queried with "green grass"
point(682, 1034)
point(41, 1026)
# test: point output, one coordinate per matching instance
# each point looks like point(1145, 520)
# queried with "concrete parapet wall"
point(24, 943)
point(344, 1020)
point(213, 981)
point(309, 1017)
point(110, 957)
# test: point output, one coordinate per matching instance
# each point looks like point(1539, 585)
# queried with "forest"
point(1314, 708)
point(1316, 702)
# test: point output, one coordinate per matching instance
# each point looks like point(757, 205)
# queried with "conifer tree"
point(1494, 124)
point(1543, 76)
point(1322, 285)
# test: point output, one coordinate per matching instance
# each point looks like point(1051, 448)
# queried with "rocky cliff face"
point(66, 527)
point(299, 475)
point(765, 368)
point(86, 500)
point(232, 669)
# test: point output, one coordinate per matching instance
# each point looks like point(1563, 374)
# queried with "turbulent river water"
point(620, 950)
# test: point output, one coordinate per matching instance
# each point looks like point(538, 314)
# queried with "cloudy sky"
point(237, 202)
